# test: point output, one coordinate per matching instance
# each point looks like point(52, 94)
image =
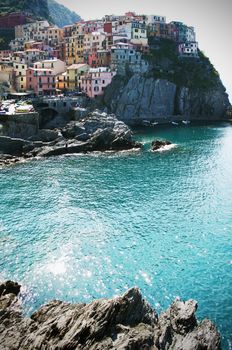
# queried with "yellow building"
point(74, 49)
point(74, 74)
point(61, 81)
point(71, 79)
point(20, 81)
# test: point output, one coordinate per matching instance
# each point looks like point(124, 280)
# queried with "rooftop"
point(76, 66)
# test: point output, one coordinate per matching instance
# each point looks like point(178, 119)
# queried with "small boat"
point(175, 123)
point(186, 122)
point(146, 123)
point(154, 123)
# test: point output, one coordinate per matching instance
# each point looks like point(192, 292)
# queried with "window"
point(21, 86)
point(21, 79)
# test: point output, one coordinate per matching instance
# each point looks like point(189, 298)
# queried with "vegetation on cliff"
point(193, 73)
point(36, 8)
point(41, 9)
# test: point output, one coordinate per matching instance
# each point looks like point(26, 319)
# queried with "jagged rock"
point(9, 287)
point(126, 322)
point(45, 135)
point(157, 144)
point(177, 329)
point(13, 146)
point(72, 130)
point(8, 293)
point(96, 132)
point(8, 159)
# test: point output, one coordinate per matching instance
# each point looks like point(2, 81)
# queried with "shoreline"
point(123, 322)
point(7, 160)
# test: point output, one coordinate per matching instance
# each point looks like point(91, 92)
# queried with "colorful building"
point(55, 65)
point(74, 75)
point(124, 57)
point(188, 49)
point(95, 81)
point(42, 78)
point(20, 76)
point(41, 81)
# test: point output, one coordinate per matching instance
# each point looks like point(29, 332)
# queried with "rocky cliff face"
point(171, 88)
point(142, 98)
point(146, 98)
point(127, 322)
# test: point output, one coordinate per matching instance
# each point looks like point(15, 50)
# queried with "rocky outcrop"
point(19, 125)
point(208, 105)
point(13, 146)
point(126, 322)
point(157, 144)
point(143, 97)
point(96, 132)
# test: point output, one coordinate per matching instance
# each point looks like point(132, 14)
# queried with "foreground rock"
point(157, 144)
point(96, 132)
point(125, 322)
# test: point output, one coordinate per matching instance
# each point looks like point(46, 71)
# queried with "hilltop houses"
point(86, 56)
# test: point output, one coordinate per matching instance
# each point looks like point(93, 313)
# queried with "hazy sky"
point(212, 20)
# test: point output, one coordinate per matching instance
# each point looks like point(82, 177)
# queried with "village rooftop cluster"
point(85, 56)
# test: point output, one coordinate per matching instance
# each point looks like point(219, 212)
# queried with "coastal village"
point(83, 58)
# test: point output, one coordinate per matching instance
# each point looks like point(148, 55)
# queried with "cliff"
point(126, 322)
point(171, 88)
point(36, 8)
point(61, 15)
point(41, 9)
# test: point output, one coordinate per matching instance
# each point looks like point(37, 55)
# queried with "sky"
point(212, 20)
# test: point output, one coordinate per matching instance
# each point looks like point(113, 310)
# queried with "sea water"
point(83, 227)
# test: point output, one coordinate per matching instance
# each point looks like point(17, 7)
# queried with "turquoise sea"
point(82, 227)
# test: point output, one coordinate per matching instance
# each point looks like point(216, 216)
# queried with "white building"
point(151, 19)
point(188, 49)
point(55, 65)
point(190, 34)
point(124, 57)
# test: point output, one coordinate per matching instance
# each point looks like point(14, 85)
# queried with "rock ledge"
point(126, 322)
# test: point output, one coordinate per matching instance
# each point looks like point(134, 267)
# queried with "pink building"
point(95, 81)
point(89, 26)
point(92, 59)
point(41, 80)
